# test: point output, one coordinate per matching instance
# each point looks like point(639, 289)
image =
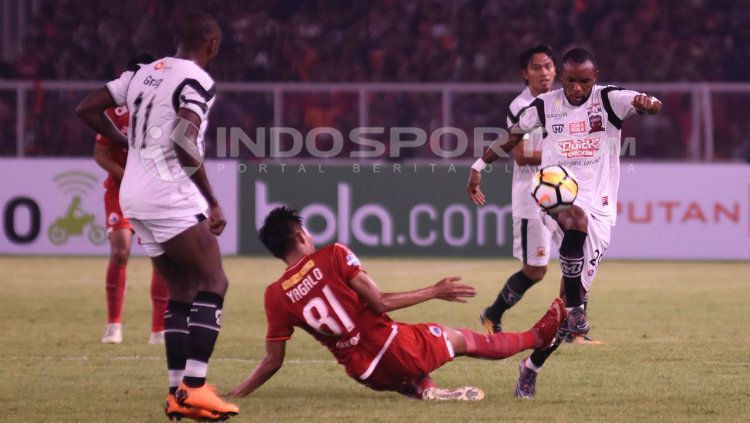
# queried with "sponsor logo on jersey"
point(586, 147)
point(558, 128)
point(540, 252)
point(113, 218)
point(351, 342)
point(352, 260)
point(435, 331)
point(596, 123)
point(577, 127)
point(295, 278)
point(595, 107)
point(160, 65)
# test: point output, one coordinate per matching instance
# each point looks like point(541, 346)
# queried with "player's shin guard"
point(115, 290)
point(175, 341)
point(159, 298)
point(512, 292)
point(498, 345)
point(204, 326)
point(571, 265)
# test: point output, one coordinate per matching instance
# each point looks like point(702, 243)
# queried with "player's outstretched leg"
point(574, 223)
point(512, 292)
point(159, 299)
point(505, 344)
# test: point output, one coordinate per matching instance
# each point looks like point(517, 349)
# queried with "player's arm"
point(529, 118)
point(448, 289)
point(522, 158)
point(646, 104)
point(264, 370)
point(186, 138)
point(103, 158)
point(91, 111)
point(622, 104)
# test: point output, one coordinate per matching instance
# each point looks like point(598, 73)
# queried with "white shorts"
point(153, 232)
point(597, 242)
point(531, 239)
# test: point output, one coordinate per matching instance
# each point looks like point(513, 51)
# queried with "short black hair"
point(139, 59)
point(579, 55)
point(526, 55)
point(278, 231)
point(195, 28)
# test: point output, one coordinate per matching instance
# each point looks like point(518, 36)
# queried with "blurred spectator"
point(384, 41)
point(404, 41)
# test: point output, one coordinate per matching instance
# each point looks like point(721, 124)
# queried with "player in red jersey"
point(112, 158)
point(328, 294)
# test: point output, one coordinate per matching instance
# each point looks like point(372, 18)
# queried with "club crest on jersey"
point(586, 147)
point(352, 260)
point(113, 218)
point(540, 252)
point(596, 123)
point(435, 331)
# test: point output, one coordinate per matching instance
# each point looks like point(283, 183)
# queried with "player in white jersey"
point(531, 237)
point(167, 198)
point(581, 125)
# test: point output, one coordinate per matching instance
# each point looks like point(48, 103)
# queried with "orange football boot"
point(175, 411)
point(205, 398)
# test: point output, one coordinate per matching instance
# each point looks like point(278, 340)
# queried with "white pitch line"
point(151, 358)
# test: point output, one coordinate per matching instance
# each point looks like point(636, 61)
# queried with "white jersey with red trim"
point(584, 139)
point(155, 185)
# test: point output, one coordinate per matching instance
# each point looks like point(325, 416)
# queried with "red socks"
point(498, 345)
point(115, 289)
point(159, 298)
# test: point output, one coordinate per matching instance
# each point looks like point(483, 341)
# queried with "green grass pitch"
point(677, 347)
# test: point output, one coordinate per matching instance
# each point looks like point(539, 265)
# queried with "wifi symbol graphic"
point(75, 182)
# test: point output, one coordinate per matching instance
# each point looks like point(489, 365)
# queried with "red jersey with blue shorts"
point(314, 294)
point(115, 220)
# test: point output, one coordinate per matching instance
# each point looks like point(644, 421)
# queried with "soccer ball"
point(554, 188)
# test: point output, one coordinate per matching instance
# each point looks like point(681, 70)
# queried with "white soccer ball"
point(554, 188)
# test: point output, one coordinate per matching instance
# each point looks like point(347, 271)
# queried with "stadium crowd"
point(362, 41)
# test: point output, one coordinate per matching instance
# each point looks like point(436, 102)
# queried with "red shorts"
point(415, 352)
point(115, 219)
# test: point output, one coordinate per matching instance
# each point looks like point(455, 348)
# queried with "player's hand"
point(472, 188)
point(449, 289)
point(646, 104)
point(216, 220)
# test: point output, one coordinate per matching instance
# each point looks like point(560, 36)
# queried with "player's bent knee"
point(573, 218)
point(119, 256)
point(535, 273)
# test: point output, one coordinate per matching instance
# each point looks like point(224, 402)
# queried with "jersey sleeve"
point(345, 263)
point(195, 95)
point(280, 327)
point(530, 117)
point(618, 103)
point(118, 88)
